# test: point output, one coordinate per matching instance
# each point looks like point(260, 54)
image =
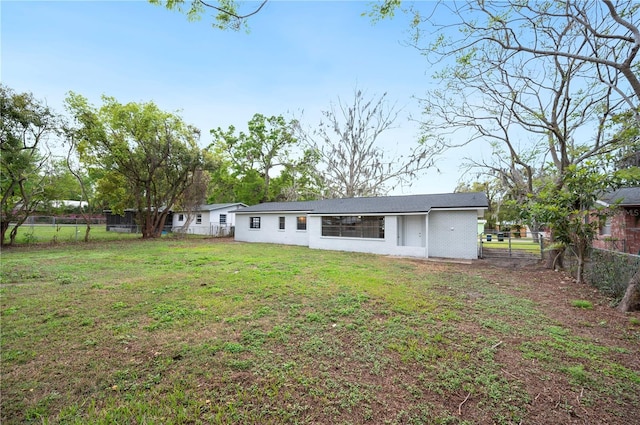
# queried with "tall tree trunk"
point(631, 300)
point(4, 226)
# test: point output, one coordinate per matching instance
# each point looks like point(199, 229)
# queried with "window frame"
point(605, 229)
point(354, 226)
point(254, 222)
point(281, 222)
point(222, 219)
point(198, 218)
point(301, 223)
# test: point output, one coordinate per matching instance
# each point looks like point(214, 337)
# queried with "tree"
point(193, 196)
point(571, 211)
point(628, 130)
point(540, 83)
point(26, 126)
point(351, 162)
point(493, 191)
point(147, 157)
point(300, 180)
point(81, 176)
point(631, 299)
point(605, 35)
point(227, 11)
point(61, 184)
point(258, 155)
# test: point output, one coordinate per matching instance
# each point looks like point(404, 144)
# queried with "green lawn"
point(516, 244)
point(66, 233)
point(213, 331)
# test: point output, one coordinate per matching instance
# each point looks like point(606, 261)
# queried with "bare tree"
point(352, 164)
point(604, 34)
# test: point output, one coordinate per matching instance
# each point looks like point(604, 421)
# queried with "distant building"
point(621, 232)
point(210, 219)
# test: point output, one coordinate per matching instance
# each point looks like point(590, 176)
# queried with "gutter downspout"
point(426, 234)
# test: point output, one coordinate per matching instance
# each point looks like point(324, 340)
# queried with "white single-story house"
point(439, 225)
point(211, 219)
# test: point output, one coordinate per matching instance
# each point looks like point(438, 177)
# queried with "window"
point(281, 223)
point(180, 217)
point(606, 227)
point(254, 222)
point(198, 218)
point(302, 222)
point(353, 226)
point(223, 219)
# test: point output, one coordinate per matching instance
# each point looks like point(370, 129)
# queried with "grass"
point(582, 304)
point(66, 233)
point(202, 331)
point(516, 244)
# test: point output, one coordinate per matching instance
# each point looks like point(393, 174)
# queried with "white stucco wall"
point(453, 234)
point(461, 242)
point(269, 230)
point(210, 223)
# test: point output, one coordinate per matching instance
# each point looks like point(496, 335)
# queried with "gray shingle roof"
point(210, 207)
point(383, 204)
point(628, 196)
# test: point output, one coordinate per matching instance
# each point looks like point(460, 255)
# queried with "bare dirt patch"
point(557, 398)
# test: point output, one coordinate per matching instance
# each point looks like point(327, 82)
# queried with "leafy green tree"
point(61, 184)
point(25, 127)
point(147, 157)
point(299, 181)
point(257, 156)
point(571, 210)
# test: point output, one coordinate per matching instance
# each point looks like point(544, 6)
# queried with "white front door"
point(413, 230)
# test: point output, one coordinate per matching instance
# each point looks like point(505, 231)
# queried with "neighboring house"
point(621, 232)
point(212, 219)
point(442, 225)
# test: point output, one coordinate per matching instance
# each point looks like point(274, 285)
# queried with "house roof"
point(628, 196)
point(211, 207)
point(384, 204)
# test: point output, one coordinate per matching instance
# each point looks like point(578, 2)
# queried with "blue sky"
point(298, 56)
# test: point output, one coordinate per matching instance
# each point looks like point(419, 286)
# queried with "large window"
point(302, 222)
point(353, 226)
point(281, 223)
point(223, 219)
point(254, 222)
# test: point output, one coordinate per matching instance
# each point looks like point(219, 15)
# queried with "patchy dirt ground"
point(554, 400)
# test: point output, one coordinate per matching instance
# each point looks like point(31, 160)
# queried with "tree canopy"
point(267, 153)
point(25, 128)
point(147, 157)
